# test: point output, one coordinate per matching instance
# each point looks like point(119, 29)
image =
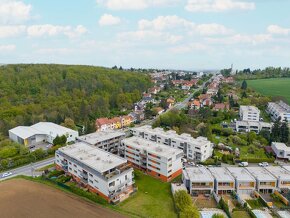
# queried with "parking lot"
point(43, 146)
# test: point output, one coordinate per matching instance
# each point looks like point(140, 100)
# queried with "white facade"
point(157, 159)
point(224, 182)
point(265, 181)
point(255, 126)
point(109, 140)
point(279, 109)
point(249, 113)
point(198, 180)
point(102, 172)
point(41, 132)
point(282, 175)
point(245, 183)
point(198, 149)
point(281, 150)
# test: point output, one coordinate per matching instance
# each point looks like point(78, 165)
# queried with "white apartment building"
point(156, 159)
point(255, 126)
point(198, 180)
point(245, 183)
point(249, 113)
point(279, 109)
point(198, 149)
point(282, 175)
point(41, 132)
point(224, 182)
point(281, 150)
point(108, 140)
point(265, 181)
point(103, 173)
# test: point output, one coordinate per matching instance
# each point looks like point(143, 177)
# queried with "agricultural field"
point(272, 87)
point(39, 200)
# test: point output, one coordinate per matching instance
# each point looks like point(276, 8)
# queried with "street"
point(29, 169)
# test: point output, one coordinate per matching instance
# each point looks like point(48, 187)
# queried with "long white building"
point(156, 159)
point(249, 113)
point(198, 180)
point(103, 173)
point(282, 175)
point(41, 132)
point(255, 126)
point(224, 182)
point(198, 149)
point(109, 140)
point(279, 109)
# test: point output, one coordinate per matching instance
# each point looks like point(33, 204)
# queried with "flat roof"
point(25, 132)
point(93, 157)
point(279, 172)
point(286, 167)
point(221, 174)
point(241, 174)
point(280, 146)
point(97, 137)
point(249, 108)
point(152, 147)
point(198, 174)
point(52, 129)
point(261, 173)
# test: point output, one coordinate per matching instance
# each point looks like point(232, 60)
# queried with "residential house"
point(281, 150)
point(279, 110)
point(224, 182)
point(282, 176)
point(249, 113)
point(221, 106)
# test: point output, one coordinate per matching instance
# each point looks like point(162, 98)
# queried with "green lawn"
point(272, 87)
point(255, 204)
point(240, 214)
point(153, 198)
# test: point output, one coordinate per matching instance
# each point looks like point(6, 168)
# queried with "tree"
point(60, 140)
point(244, 94)
point(182, 199)
point(275, 135)
point(244, 85)
point(69, 123)
point(218, 215)
point(284, 131)
point(189, 212)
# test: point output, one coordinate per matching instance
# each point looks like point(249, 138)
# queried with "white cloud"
point(7, 48)
point(274, 29)
point(167, 23)
point(54, 30)
point(134, 4)
point(14, 12)
point(218, 5)
point(109, 20)
point(11, 31)
point(57, 51)
point(189, 48)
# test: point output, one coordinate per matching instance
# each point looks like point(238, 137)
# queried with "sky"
point(165, 34)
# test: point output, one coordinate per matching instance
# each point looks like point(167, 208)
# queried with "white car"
point(6, 174)
point(243, 164)
point(263, 164)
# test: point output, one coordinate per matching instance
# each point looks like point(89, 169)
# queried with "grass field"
point(153, 198)
point(272, 87)
point(241, 214)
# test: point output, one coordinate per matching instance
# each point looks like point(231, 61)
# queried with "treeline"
point(45, 92)
point(269, 72)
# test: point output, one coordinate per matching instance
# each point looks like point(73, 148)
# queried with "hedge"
point(258, 160)
point(223, 205)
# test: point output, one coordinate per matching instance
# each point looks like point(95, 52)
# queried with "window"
point(112, 184)
point(96, 181)
point(126, 177)
point(91, 175)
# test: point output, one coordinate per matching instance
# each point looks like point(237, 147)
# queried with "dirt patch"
point(26, 199)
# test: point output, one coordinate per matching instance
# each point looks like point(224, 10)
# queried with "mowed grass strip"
point(153, 198)
point(272, 87)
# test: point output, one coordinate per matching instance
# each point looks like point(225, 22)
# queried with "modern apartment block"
point(198, 180)
point(255, 126)
point(103, 173)
point(245, 183)
point(198, 149)
point(279, 109)
point(224, 182)
point(156, 159)
point(281, 150)
point(265, 181)
point(282, 176)
point(249, 113)
point(108, 140)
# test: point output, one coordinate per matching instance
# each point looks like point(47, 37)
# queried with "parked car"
point(263, 164)
point(243, 164)
point(6, 174)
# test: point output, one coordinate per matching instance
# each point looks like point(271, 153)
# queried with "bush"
point(55, 173)
point(183, 203)
point(223, 205)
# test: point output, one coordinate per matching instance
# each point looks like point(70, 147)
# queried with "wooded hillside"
point(33, 93)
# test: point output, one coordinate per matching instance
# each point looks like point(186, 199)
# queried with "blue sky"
point(179, 34)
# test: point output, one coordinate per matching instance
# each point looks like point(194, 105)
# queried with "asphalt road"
point(28, 170)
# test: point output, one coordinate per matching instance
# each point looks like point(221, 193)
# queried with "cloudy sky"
point(179, 34)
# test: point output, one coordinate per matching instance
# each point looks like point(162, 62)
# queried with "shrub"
point(183, 203)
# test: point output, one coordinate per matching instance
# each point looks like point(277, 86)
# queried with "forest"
point(31, 93)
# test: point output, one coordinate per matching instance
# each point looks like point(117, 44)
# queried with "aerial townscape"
point(188, 118)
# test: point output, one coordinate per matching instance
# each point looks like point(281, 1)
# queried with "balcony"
point(64, 163)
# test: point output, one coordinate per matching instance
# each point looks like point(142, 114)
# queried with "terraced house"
point(156, 159)
point(282, 175)
point(198, 180)
point(224, 182)
point(245, 183)
point(103, 173)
